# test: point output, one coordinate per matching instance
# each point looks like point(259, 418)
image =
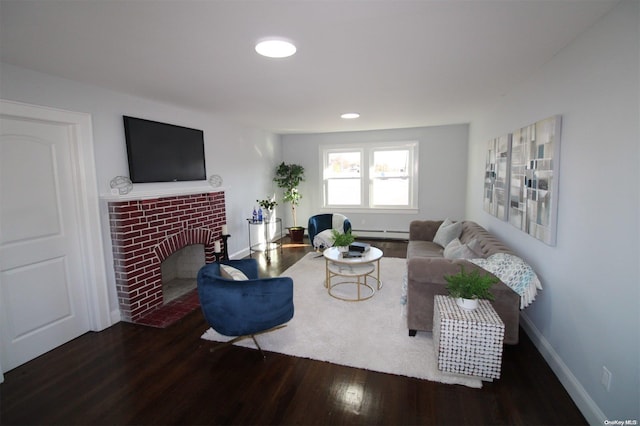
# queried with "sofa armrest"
point(423, 230)
point(426, 279)
point(433, 269)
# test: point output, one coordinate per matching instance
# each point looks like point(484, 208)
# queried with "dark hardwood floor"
point(137, 375)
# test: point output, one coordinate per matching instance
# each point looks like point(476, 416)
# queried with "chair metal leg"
point(264, 357)
point(227, 343)
point(253, 336)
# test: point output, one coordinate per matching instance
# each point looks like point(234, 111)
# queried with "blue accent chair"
point(322, 222)
point(244, 308)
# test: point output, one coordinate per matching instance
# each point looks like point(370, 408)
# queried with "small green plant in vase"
point(468, 287)
point(342, 241)
point(267, 204)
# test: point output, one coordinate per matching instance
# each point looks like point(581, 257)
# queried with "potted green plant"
point(468, 287)
point(342, 240)
point(288, 177)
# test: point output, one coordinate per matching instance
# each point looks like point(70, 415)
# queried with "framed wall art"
point(496, 177)
point(533, 196)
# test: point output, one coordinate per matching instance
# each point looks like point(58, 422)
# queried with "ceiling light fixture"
point(275, 48)
point(350, 115)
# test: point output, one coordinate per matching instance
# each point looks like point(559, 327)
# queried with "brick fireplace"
point(146, 232)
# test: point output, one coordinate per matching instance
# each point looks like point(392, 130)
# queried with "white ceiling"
point(398, 63)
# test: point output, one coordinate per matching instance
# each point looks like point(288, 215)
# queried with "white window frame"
point(367, 151)
point(325, 151)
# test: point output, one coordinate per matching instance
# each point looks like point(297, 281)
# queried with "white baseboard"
point(577, 392)
point(383, 234)
point(240, 254)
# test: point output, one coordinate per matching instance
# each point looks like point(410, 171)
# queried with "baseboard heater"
point(382, 234)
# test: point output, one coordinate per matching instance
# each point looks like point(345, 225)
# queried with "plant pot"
point(343, 249)
point(297, 234)
point(467, 304)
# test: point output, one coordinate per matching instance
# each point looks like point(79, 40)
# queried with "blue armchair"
point(324, 222)
point(235, 306)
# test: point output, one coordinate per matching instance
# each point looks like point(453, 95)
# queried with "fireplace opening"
point(180, 270)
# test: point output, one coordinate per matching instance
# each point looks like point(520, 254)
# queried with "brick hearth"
point(144, 233)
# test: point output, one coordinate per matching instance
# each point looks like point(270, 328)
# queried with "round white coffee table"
point(355, 270)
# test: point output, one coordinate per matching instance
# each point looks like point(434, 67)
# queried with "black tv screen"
point(160, 152)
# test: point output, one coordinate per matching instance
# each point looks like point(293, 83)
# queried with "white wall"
point(244, 157)
point(587, 315)
point(443, 173)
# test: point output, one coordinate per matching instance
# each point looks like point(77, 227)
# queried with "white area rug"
point(371, 334)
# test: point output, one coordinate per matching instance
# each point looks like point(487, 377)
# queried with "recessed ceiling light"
point(350, 115)
point(275, 48)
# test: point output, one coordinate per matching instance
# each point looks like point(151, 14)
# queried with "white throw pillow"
point(476, 247)
point(447, 232)
point(456, 250)
point(231, 273)
point(323, 239)
point(337, 222)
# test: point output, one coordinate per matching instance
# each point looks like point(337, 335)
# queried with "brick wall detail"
point(145, 232)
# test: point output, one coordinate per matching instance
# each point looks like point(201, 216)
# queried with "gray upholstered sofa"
point(427, 266)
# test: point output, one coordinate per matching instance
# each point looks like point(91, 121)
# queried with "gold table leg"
point(327, 276)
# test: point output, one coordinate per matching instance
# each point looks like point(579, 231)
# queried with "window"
point(342, 177)
point(372, 176)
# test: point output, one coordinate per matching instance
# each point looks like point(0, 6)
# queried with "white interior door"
point(43, 301)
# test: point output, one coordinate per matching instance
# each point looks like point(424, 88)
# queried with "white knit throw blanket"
point(515, 273)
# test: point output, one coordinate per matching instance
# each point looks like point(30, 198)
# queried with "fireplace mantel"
point(147, 191)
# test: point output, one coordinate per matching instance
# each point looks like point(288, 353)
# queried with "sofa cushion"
point(447, 232)
point(423, 249)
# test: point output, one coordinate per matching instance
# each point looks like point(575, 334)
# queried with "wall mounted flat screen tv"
point(160, 152)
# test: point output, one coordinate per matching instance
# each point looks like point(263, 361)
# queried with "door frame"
point(85, 190)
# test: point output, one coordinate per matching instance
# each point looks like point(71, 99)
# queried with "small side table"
point(268, 243)
point(467, 342)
